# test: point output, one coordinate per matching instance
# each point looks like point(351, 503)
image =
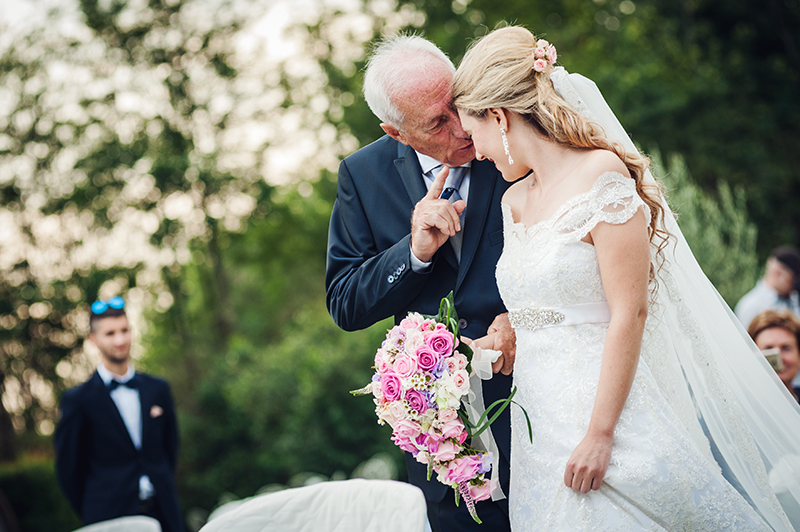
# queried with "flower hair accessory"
point(543, 54)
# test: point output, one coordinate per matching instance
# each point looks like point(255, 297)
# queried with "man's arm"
point(171, 434)
point(364, 284)
point(70, 451)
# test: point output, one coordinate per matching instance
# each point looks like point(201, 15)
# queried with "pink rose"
point(397, 410)
point(538, 53)
point(447, 414)
point(427, 358)
point(441, 341)
point(461, 380)
point(405, 366)
point(541, 43)
point(461, 470)
point(463, 437)
point(461, 359)
point(423, 457)
point(382, 364)
point(481, 492)
point(407, 429)
point(539, 65)
point(452, 365)
point(390, 384)
point(447, 451)
point(552, 55)
point(452, 429)
point(404, 443)
point(417, 400)
point(409, 322)
point(377, 391)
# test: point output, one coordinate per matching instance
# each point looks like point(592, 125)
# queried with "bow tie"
point(131, 383)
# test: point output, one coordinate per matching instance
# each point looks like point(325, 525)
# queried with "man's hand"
point(505, 340)
point(434, 220)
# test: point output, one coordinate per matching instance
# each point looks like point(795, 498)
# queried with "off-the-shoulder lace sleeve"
point(612, 199)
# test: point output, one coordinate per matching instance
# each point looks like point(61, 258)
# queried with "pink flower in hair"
point(541, 43)
point(552, 55)
point(538, 53)
point(540, 65)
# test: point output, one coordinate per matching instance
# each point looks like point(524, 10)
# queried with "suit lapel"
point(410, 172)
point(109, 407)
point(481, 187)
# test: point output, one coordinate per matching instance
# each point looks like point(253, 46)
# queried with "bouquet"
point(422, 373)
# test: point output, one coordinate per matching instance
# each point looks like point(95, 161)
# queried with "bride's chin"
point(511, 175)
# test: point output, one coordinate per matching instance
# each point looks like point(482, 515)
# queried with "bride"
point(651, 410)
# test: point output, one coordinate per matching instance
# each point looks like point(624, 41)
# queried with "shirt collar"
point(107, 375)
point(428, 163)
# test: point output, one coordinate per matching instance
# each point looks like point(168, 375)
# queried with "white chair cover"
point(355, 505)
point(137, 523)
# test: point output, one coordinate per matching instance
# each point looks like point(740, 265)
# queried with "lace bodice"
point(547, 264)
point(658, 477)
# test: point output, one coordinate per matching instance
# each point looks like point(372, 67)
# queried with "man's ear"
point(393, 132)
point(500, 116)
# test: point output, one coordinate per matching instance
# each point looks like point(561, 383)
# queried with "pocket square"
point(156, 411)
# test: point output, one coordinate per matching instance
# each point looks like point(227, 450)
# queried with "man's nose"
point(457, 130)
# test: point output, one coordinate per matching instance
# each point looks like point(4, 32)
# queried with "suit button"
point(462, 323)
point(402, 267)
point(390, 279)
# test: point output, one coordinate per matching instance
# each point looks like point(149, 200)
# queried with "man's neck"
point(117, 368)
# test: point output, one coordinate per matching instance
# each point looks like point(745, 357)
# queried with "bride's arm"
point(623, 254)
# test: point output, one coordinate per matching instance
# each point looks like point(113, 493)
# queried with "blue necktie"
point(450, 193)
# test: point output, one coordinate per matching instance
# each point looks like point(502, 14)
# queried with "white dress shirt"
point(129, 405)
point(428, 165)
point(764, 297)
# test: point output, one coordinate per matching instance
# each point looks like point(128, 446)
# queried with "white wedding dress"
point(661, 476)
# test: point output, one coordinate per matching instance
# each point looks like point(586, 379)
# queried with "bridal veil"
point(708, 369)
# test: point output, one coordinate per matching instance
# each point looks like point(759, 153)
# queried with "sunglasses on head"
point(101, 307)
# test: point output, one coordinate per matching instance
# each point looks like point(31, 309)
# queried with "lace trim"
point(612, 199)
point(563, 87)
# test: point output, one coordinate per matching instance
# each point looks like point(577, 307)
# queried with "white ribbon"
point(482, 360)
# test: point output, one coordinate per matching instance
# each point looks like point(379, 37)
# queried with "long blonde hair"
point(498, 71)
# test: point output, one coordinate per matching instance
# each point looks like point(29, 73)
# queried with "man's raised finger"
point(438, 184)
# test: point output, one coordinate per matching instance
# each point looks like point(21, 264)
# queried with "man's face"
point(112, 336)
point(787, 343)
point(780, 277)
point(431, 123)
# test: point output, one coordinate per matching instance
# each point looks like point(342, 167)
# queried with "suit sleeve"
point(365, 284)
point(71, 459)
point(171, 435)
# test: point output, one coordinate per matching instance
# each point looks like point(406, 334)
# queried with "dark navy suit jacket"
point(97, 464)
point(369, 275)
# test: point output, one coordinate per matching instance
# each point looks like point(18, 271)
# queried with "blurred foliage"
point(717, 228)
point(30, 487)
point(182, 153)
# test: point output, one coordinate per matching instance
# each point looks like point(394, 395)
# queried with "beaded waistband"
point(536, 318)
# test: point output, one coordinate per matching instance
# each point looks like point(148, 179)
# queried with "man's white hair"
point(396, 63)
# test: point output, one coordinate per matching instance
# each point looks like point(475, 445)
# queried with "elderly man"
point(396, 244)
point(777, 289)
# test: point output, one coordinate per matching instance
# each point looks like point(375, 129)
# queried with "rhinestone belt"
point(536, 318)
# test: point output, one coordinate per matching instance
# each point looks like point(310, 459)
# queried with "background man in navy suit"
point(395, 246)
point(117, 440)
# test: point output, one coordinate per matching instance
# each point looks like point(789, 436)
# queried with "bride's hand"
point(588, 464)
